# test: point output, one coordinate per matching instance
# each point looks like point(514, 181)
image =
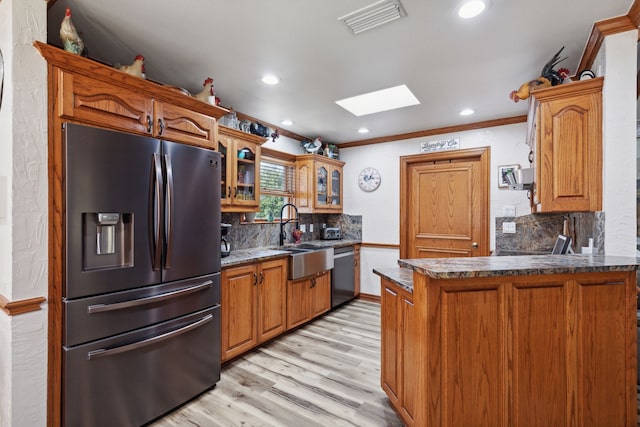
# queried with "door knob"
point(474, 245)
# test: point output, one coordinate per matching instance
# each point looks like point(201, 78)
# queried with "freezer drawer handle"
point(342, 255)
point(97, 354)
point(100, 308)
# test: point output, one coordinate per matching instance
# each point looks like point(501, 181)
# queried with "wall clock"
point(369, 179)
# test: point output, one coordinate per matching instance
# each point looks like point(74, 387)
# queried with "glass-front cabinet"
point(240, 174)
point(318, 184)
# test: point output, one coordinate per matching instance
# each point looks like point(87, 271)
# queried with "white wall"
point(380, 209)
point(617, 61)
point(23, 212)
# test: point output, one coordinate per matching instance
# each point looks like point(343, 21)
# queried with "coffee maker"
point(225, 247)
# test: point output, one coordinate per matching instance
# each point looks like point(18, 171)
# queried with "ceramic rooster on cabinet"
point(548, 77)
point(207, 94)
point(135, 69)
point(71, 40)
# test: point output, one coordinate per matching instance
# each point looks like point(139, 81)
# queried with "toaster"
point(331, 233)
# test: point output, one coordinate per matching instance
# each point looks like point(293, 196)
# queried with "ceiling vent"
point(374, 15)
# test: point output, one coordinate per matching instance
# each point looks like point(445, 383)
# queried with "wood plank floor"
point(326, 373)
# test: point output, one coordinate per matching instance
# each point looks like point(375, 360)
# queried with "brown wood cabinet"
point(240, 183)
point(92, 93)
point(318, 184)
point(547, 350)
point(566, 139)
point(253, 305)
point(307, 298)
point(398, 364)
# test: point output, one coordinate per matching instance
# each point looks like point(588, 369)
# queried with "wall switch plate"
point(303, 228)
point(509, 211)
point(509, 227)
point(310, 228)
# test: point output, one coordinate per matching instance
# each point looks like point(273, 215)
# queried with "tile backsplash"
point(265, 234)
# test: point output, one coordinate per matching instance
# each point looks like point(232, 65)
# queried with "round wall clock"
point(369, 179)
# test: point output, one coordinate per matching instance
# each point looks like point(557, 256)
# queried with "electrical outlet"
point(509, 211)
point(509, 227)
point(310, 228)
point(303, 228)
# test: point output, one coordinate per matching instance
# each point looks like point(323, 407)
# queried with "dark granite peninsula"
point(545, 340)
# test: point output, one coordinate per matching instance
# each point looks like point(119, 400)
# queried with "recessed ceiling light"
point(363, 130)
point(286, 122)
point(270, 79)
point(467, 112)
point(381, 100)
point(471, 8)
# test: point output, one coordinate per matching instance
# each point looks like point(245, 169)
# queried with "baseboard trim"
point(370, 297)
point(21, 306)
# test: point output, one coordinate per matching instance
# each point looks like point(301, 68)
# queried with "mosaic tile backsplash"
point(266, 234)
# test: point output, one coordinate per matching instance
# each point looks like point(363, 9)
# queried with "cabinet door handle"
point(161, 126)
point(229, 192)
point(149, 123)
point(255, 279)
point(235, 189)
point(313, 282)
point(474, 245)
point(261, 277)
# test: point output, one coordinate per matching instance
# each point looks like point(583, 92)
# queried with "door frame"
point(407, 163)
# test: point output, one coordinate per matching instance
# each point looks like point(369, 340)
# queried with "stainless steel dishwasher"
point(342, 276)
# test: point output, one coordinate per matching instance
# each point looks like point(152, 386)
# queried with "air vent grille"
point(374, 15)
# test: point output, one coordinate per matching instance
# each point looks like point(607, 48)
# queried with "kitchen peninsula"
point(514, 340)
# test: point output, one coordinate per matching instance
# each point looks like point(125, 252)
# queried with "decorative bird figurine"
point(275, 135)
point(206, 92)
point(71, 40)
point(312, 146)
point(548, 77)
point(135, 69)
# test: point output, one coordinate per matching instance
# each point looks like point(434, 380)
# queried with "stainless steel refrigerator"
point(141, 321)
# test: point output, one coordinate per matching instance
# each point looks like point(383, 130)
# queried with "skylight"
point(381, 100)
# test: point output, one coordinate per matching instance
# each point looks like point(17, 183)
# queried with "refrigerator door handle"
point(156, 210)
point(97, 354)
point(101, 308)
point(168, 222)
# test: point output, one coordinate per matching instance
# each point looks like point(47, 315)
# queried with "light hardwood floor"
point(326, 373)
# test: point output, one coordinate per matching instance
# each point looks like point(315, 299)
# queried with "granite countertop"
point(451, 268)
point(250, 255)
point(400, 276)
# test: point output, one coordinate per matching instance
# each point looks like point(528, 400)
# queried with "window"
point(276, 187)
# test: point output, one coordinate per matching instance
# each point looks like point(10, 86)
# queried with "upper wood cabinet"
point(318, 184)
point(565, 134)
point(240, 181)
point(89, 92)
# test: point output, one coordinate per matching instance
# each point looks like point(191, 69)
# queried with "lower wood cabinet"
point(397, 377)
point(308, 298)
point(253, 305)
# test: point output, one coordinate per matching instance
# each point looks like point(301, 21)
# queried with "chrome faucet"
point(282, 224)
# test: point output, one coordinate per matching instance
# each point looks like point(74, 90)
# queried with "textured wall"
point(23, 212)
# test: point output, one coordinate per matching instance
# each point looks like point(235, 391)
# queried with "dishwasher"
point(342, 276)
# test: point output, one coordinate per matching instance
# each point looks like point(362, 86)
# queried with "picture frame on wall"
point(507, 175)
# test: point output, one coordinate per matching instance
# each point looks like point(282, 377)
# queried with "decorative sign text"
point(440, 145)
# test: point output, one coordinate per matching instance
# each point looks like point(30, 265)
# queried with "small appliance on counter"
point(225, 246)
point(331, 233)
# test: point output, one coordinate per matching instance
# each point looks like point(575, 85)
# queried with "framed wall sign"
point(507, 175)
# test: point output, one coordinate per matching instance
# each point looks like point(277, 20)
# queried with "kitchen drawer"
point(92, 318)
point(132, 378)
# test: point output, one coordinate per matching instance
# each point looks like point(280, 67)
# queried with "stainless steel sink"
point(307, 261)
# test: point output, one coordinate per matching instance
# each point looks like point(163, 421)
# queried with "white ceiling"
point(447, 62)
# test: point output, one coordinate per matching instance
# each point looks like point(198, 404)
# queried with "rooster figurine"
point(548, 77)
point(135, 69)
point(71, 40)
point(206, 92)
